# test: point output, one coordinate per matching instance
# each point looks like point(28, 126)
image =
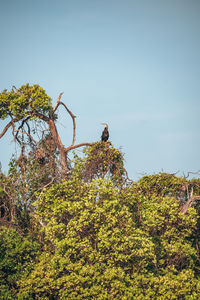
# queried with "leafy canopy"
point(27, 101)
point(104, 242)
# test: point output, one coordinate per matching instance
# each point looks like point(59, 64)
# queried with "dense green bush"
point(17, 255)
point(103, 242)
point(100, 240)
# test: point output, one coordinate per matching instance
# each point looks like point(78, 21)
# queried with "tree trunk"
point(61, 148)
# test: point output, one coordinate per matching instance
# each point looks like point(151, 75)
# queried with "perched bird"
point(105, 133)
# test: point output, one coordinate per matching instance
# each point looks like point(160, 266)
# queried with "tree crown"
point(27, 101)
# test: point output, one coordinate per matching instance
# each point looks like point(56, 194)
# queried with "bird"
point(105, 133)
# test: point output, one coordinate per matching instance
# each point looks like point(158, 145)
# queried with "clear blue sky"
point(132, 64)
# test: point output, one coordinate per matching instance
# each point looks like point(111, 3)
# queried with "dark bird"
point(105, 133)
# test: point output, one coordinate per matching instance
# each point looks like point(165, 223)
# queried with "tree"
point(43, 159)
point(31, 104)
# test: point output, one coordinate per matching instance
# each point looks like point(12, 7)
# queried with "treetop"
point(27, 101)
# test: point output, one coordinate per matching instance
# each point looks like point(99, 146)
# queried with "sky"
point(132, 64)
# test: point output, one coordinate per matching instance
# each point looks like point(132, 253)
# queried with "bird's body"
point(105, 133)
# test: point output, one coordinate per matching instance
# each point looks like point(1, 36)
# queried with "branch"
point(188, 174)
point(42, 117)
point(70, 113)
point(127, 176)
point(8, 126)
point(29, 132)
point(29, 135)
point(57, 102)
point(69, 148)
point(188, 204)
point(21, 126)
point(72, 146)
point(73, 120)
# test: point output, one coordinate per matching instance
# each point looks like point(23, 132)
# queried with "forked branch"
point(58, 103)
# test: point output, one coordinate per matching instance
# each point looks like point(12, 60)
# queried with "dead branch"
point(189, 173)
point(69, 148)
point(73, 120)
point(57, 102)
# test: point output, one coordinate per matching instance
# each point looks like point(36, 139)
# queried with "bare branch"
point(8, 126)
point(73, 120)
point(189, 173)
point(57, 102)
point(69, 148)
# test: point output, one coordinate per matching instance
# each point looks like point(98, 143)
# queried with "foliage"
point(96, 248)
point(17, 255)
point(101, 160)
point(26, 177)
point(162, 184)
point(82, 229)
point(24, 102)
point(101, 238)
point(7, 209)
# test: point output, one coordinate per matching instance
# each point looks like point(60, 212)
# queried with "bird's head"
point(105, 124)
